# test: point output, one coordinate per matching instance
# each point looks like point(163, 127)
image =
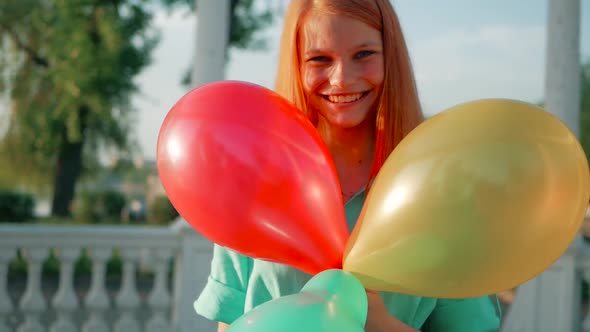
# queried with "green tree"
point(70, 95)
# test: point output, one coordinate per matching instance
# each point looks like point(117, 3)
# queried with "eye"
point(363, 54)
point(319, 58)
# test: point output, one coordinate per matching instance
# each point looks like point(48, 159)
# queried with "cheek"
point(311, 79)
point(375, 73)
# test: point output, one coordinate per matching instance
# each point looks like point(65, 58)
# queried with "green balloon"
point(333, 300)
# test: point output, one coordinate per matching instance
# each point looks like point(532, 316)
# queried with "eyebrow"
point(362, 45)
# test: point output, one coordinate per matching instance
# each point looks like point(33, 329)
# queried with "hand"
point(377, 310)
point(378, 317)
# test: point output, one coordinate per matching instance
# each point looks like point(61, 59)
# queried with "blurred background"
point(86, 84)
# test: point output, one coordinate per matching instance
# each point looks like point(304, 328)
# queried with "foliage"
point(71, 94)
point(81, 58)
point(161, 211)
point(71, 67)
point(16, 206)
point(132, 171)
point(99, 207)
point(113, 203)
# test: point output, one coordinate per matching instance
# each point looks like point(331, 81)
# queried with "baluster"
point(159, 299)
point(6, 255)
point(65, 301)
point(97, 300)
point(128, 299)
point(33, 303)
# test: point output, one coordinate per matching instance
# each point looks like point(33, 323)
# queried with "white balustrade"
point(33, 303)
point(552, 300)
point(65, 301)
point(97, 301)
point(159, 298)
point(6, 306)
point(128, 299)
point(189, 268)
point(100, 307)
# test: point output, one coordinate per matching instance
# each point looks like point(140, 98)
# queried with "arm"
point(480, 314)
point(222, 299)
point(379, 319)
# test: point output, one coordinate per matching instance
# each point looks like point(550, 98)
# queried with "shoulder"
point(229, 262)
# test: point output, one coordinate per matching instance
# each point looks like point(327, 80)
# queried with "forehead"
point(336, 33)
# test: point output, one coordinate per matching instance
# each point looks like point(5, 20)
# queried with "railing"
point(166, 306)
point(179, 260)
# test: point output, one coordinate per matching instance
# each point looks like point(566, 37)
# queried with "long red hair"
point(398, 110)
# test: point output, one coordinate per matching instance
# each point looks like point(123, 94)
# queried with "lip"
point(345, 105)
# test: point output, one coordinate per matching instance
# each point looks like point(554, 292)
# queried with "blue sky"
point(461, 50)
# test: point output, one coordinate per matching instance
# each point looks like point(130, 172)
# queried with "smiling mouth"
point(345, 98)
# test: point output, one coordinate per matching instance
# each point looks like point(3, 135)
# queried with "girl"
point(345, 64)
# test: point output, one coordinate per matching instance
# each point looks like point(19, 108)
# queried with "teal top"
point(238, 283)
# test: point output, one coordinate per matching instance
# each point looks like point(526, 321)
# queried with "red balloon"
point(248, 171)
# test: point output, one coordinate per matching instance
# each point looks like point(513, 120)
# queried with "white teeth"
point(345, 98)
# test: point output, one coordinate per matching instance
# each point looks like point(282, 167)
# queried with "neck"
point(352, 149)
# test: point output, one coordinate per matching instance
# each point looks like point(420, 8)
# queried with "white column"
point(559, 301)
point(551, 301)
point(585, 267)
point(562, 73)
point(193, 264)
point(212, 32)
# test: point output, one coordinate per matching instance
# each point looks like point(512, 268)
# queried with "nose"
point(342, 74)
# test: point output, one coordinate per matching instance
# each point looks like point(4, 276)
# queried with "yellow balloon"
point(476, 200)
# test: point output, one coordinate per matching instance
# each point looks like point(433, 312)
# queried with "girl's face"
point(342, 68)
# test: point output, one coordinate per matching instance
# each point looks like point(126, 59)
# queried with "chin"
point(348, 123)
